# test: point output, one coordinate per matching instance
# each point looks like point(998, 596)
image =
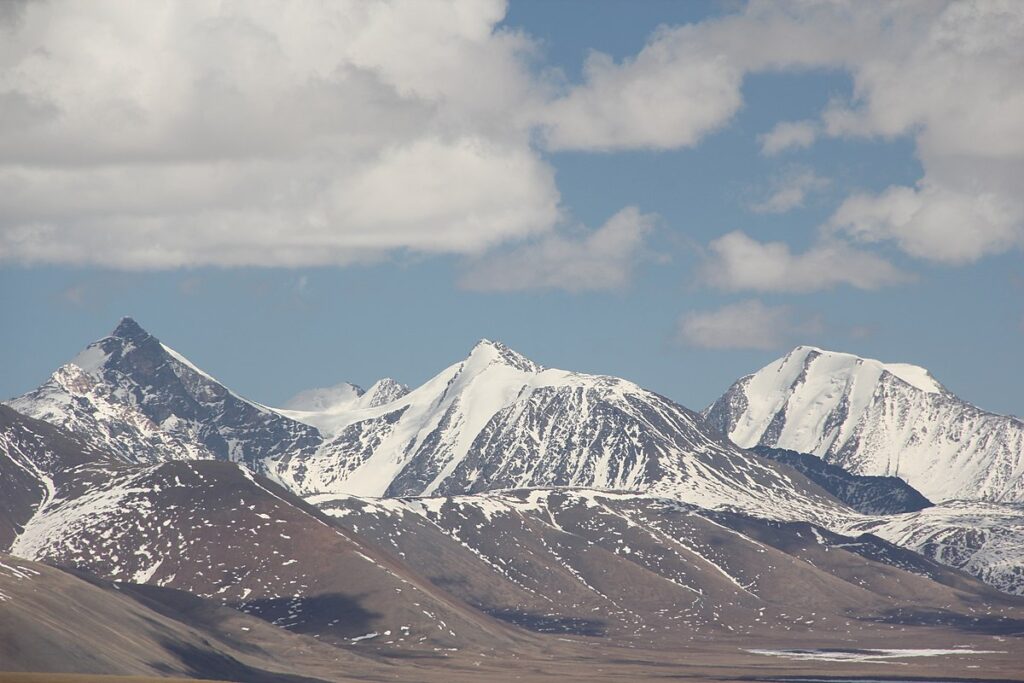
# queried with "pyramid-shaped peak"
point(127, 328)
point(491, 351)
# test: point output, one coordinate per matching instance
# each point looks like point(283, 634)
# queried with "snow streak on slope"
point(877, 419)
point(983, 539)
point(590, 562)
point(215, 530)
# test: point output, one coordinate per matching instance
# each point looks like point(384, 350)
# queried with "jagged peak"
point(489, 351)
point(385, 391)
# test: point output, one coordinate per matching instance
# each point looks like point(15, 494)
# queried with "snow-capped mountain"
point(495, 420)
point(876, 418)
point(143, 401)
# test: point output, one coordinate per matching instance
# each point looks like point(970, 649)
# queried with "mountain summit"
point(144, 401)
point(876, 418)
point(494, 420)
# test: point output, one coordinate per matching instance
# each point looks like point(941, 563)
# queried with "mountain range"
point(494, 420)
point(503, 518)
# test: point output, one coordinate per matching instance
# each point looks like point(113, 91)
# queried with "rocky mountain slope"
point(865, 494)
point(53, 620)
point(876, 418)
point(35, 457)
point(653, 570)
point(983, 539)
point(214, 530)
point(485, 573)
point(492, 421)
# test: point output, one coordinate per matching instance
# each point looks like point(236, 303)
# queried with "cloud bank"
point(160, 135)
point(152, 134)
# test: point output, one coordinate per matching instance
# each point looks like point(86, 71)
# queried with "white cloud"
point(946, 73)
point(933, 222)
point(459, 196)
point(738, 262)
point(791, 191)
point(745, 325)
point(323, 398)
point(955, 84)
point(138, 135)
point(599, 260)
point(788, 135)
point(669, 96)
point(144, 135)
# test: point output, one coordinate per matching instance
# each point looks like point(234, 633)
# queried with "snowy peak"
point(144, 401)
point(494, 420)
point(811, 400)
point(488, 352)
point(103, 353)
point(384, 391)
point(875, 418)
point(914, 375)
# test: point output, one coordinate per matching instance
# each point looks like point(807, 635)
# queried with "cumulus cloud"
point(670, 95)
point(598, 260)
point(134, 135)
point(142, 135)
point(953, 83)
point(933, 222)
point(738, 262)
point(745, 325)
point(945, 73)
point(788, 135)
point(791, 191)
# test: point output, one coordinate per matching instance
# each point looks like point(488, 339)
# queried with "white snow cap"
point(487, 351)
point(914, 375)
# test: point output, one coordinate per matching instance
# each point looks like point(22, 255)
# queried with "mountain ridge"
point(495, 419)
point(855, 413)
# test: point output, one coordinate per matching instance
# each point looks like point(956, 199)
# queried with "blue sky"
point(724, 251)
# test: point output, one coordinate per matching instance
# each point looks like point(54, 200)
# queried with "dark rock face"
point(34, 459)
point(146, 403)
point(865, 494)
